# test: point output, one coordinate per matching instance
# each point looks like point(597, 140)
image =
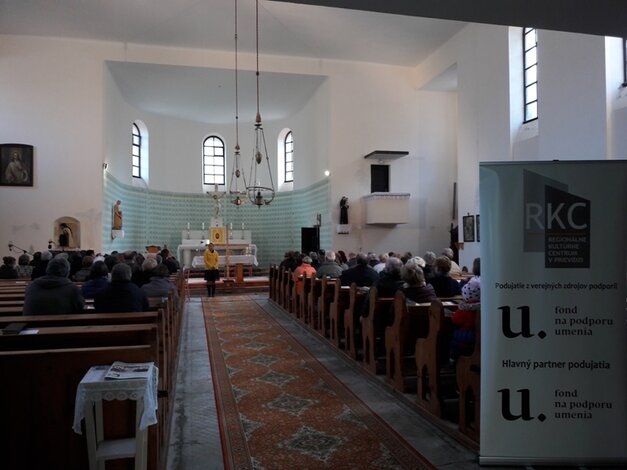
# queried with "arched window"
point(136, 152)
point(213, 161)
point(288, 146)
point(530, 66)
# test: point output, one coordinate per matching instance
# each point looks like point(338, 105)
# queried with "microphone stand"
point(11, 246)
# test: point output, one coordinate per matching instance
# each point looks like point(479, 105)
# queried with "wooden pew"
point(38, 321)
point(336, 315)
point(11, 310)
point(373, 331)
point(271, 281)
point(294, 298)
point(327, 293)
point(312, 302)
point(51, 337)
point(36, 429)
point(285, 281)
point(353, 342)
point(469, 386)
point(304, 295)
point(411, 321)
point(429, 359)
point(289, 291)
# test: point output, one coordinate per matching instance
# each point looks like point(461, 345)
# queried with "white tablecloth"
point(198, 261)
point(93, 387)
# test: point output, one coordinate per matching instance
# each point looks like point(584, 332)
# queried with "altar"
point(238, 248)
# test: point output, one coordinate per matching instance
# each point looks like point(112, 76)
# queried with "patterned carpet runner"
point(279, 408)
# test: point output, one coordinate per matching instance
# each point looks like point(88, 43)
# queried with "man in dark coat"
point(361, 274)
point(53, 292)
point(121, 295)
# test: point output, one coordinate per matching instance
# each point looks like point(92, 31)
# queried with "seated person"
point(53, 292)
point(7, 270)
point(476, 271)
point(455, 269)
point(159, 284)
point(305, 269)
point(97, 280)
point(415, 287)
point(443, 284)
point(329, 268)
point(24, 268)
point(464, 318)
point(427, 269)
point(141, 274)
point(361, 274)
point(170, 261)
point(380, 266)
point(121, 295)
point(40, 266)
point(388, 283)
point(82, 274)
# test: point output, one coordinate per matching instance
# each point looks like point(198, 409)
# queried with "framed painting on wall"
point(477, 224)
point(16, 165)
point(468, 222)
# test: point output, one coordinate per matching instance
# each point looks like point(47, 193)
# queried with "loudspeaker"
point(309, 239)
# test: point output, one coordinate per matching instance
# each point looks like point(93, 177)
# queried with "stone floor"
point(195, 438)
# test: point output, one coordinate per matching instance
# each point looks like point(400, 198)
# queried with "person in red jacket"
point(464, 318)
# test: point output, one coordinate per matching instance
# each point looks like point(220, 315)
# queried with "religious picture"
point(16, 165)
point(469, 228)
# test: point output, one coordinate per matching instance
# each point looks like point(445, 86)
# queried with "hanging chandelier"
point(259, 192)
point(235, 193)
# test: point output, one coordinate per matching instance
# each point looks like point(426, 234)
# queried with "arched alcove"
point(67, 233)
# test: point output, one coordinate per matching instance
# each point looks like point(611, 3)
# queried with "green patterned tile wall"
point(159, 217)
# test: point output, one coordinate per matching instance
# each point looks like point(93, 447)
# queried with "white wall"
point(377, 108)
point(78, 118)
point(483, 115)
point(571, 96)
point(57, 95)
point(52, 99)
point(576, 91)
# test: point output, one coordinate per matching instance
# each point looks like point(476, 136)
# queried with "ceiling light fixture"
point(234, 184)
point(259, 194)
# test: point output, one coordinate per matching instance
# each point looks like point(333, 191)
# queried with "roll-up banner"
point(553, 322)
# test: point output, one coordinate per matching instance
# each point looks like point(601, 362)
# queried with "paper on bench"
point(125, 370)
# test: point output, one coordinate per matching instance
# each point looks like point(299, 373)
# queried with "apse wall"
point(160, 217)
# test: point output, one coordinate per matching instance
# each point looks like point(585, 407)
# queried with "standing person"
point(212, 273)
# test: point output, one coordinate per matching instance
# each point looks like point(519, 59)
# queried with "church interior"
point(129, 118)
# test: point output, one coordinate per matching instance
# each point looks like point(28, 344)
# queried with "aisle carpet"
point(279, 408)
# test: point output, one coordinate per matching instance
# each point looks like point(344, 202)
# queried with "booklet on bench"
point(125, 370)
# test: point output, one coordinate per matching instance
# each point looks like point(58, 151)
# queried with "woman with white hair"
point(415, 287)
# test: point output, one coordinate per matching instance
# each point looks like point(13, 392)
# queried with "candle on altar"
point(231, 226)
point(203, 225)
point(187, 225)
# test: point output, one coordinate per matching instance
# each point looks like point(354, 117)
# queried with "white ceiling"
point(284, 29)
